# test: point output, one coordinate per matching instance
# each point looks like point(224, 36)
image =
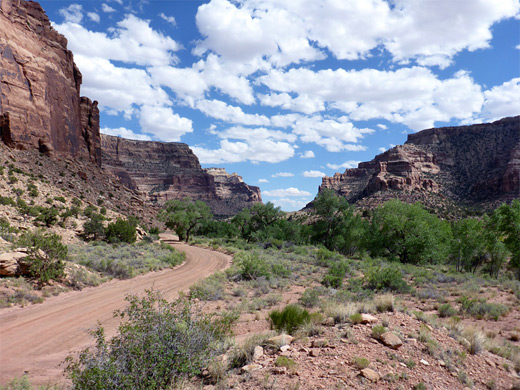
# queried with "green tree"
point(94, 229)
point(121, 231)
point(46, 255)
point(338, 227)
point(506, 222)
point(253, 222)
point(184, 216)
point(409, 233)
point(468, 244)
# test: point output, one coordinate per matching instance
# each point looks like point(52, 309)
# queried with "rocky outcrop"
point(40, 103)
point(164, 171)
point(466, 165)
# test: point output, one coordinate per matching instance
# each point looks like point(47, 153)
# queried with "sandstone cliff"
point(164, 171)
point(466, 165)
point(40, 103)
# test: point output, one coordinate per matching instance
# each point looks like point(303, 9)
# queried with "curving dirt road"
point(37, 338)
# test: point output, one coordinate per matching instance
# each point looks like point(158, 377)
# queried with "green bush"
point(336, 274)
point(360, 362)
point(387, 278)
point(120, 231)
point(310, 298)
point(7, 201)
point(289, 319)
point(209, 289)
point(283, 361)
point(446, 310)
point(93, 229)
point(377, 331)
point(481, 309)
point(46, 255)
point(252, 267)
point(158, 344)
point(48, 216)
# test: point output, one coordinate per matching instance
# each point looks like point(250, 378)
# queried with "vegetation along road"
point(36, 339)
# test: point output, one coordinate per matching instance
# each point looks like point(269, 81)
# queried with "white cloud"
point(412, 96)
point(333, 134)
point(232, 114)
point(302, 103)
point(133, 41)
point(283, 174)
point(313, 174)
point(125, 133)
point(290, 204)
point(169, 19)
point(94, 17)
point(72, 14)
point(345, 165)
point(381, 150)
point(307, 154)
point(263, 181)
point(382, 127)
point(163, 123)
point(106, 8)
point(502, 100)
point(255, 134)
point(233, 152)
point(116, 88)
point(287, 192)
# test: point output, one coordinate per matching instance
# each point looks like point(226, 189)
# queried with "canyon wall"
point(467, 165)
point(170, 170)
point(40, 103)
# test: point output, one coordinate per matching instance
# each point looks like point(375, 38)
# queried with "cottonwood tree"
point(184, 216)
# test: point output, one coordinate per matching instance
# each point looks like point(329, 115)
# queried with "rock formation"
point(467, 165)
point(40, 103)
point(164, 171)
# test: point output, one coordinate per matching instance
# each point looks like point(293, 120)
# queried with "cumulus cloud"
point(287, 192)
point(412, 96)
point(283, 174)
point(263, 181)
point(232, 114)
point(346, 165)
point(288, 204)
point(72, 14)
point(307, 154)
point(94, 17)
point(169, 19)
point(125, 133)
point(132, 41)
point(313, 174)
point(107, 9)
point(163, 123)
point(502, 100)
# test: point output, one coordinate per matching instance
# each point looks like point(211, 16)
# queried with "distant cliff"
point(40, 103)
point(164, 171)
point(466, 165)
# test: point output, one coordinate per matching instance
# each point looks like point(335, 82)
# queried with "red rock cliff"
point(171, 170)
point(40, 103)
point(470, 165)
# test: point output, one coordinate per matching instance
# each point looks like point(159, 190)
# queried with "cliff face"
point(467, 165)
point(40, 103)
point(164, 171)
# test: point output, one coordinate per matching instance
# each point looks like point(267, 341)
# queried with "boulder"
point(370, 374)
point(368, 319)
point(391, 340)
point(280, 340)
point(10, 264)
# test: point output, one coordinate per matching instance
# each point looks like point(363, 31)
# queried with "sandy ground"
point(37, 338)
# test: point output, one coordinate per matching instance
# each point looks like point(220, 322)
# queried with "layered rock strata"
point(164, 171)
point(40, 103)
point(469, 165)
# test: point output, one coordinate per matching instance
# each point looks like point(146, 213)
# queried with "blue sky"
point(284, 92)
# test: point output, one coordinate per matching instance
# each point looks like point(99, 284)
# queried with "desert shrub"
point(446, 310)
point(46, 255)
point(289, 319)
point(360, 362)
point(94, 229)
point(356, 318)
point(209, 289)
point(158, 344)
point(387, 278)
point(310, 297)
point(89, 210)
point(480, 308)
point(48, 216)
point(125, 260)
point(120, 231)
point(384, 303)
point(243, 354)
point(60, 199)
point(252, 267)
point(284, 361)
point(7, 201)
point(377, 331)
point(323, 256)
point(335, 275)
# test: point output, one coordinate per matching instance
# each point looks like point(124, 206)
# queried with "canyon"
point(469, 166)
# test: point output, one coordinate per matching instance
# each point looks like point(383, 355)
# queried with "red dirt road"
point(37, 338)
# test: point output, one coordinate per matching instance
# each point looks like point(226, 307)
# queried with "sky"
point(284, 92)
